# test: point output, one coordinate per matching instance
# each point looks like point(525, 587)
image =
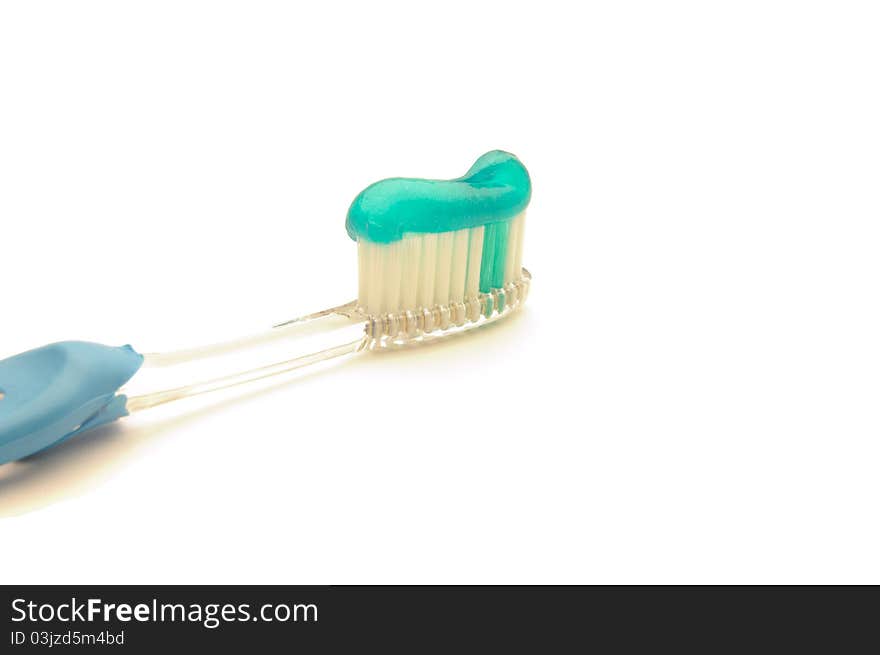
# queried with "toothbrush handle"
point(155, 398)
point(286, 347)
point(55, 392)
point(50, 394)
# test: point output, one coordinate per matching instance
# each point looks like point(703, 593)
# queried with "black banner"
point(412, 619)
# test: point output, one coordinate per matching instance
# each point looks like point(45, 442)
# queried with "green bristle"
point(501, 233)
point(488, 263)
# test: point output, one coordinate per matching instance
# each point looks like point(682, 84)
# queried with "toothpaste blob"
point(423, 243)
point(496, 188)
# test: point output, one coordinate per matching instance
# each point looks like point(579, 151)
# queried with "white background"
point(690, 396)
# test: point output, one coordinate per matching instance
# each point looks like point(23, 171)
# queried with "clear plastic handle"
point(288, 346)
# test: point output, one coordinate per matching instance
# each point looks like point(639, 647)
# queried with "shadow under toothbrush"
point(82, 463)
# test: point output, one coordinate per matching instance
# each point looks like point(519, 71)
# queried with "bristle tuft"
point(422, 271)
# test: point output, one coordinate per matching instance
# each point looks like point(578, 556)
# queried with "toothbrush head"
point(441, 255)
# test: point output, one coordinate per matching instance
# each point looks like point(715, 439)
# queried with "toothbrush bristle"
point(422, 271)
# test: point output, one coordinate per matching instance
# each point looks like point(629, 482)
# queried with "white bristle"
point(424, 270)
point(458, 274)
point(510, 272)
point(520, 236)
point(363, 259)
point(475, 255)
point(409, 284)
point(375, 268)
point(427, 271)
point(366, 285)
point(391, 275)
point(444, 265)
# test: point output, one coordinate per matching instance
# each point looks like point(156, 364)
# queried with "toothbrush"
point(435, 258)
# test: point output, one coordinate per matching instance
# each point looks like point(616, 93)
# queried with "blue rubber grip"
point(52, 393)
